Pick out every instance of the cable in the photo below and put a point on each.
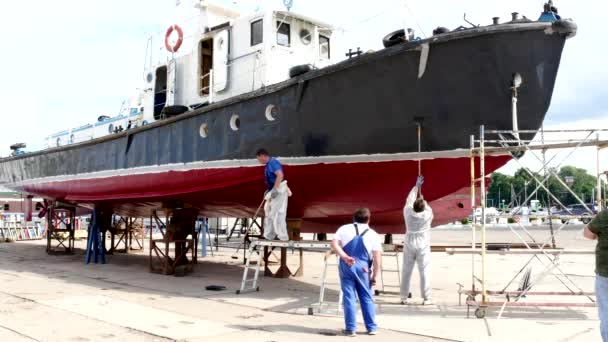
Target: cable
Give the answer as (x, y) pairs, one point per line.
(414, 16)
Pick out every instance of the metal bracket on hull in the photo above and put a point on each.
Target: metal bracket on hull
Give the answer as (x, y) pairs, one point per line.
(424, 58)
(300, 93)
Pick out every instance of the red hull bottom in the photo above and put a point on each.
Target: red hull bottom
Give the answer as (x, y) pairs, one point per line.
(324, 195)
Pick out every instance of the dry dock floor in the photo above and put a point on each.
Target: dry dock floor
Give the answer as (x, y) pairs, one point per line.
(59, 298)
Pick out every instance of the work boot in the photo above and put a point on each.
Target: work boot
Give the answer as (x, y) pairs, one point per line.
(349, 333)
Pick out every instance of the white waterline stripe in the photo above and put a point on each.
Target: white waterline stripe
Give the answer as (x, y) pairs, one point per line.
(236, 163)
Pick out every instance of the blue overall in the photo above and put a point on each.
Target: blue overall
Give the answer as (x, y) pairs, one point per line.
(355, 281)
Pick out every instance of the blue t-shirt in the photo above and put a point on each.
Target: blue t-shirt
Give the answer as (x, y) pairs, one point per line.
(272, 166)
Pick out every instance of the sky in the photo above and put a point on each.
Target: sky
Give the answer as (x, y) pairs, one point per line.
(66, 62)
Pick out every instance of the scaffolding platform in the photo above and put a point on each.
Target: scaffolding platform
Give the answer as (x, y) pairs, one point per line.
(545, 253)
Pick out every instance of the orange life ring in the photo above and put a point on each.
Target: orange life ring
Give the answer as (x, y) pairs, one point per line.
(180, 38)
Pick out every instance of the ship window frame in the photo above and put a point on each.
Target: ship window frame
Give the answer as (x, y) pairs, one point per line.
(235, 122)
(328, 40)
(203, 130)
(282, 26)
(305, 36)
(271, 112)
(257, 37)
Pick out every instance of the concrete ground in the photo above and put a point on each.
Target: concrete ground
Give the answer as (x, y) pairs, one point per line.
(59, 298)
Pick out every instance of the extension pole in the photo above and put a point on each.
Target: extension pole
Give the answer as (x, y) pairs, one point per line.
(419, 148)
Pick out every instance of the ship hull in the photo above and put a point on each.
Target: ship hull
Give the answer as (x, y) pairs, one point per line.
(324, 194)
(347, 134)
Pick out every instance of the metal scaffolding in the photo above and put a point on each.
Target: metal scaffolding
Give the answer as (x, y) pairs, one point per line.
(503, 142)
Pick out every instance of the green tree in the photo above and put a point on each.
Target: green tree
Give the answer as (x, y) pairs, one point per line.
(500, 188)
(523, 183)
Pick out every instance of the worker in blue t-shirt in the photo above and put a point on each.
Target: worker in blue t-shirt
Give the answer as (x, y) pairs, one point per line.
(277, 192)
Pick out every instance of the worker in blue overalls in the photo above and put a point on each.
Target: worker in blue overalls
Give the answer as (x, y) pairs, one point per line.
(358, 247)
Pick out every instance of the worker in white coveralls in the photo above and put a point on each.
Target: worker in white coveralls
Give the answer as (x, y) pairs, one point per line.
(360, 252)
(277, 192)
(417, 247)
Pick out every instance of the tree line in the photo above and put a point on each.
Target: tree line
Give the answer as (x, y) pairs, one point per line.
(505, 189)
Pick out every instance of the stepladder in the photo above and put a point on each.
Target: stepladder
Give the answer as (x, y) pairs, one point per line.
(331, 262)
(249, 282)
(389, 276)
(251, 276)
(330, 272)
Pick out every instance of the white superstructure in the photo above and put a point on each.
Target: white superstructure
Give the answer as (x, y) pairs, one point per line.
(231, 54)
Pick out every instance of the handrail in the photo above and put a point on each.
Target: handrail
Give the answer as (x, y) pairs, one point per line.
(210, 86)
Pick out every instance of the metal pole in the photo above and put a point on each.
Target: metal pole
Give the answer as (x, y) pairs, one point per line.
(599, 182)
(514, 113)
(544, 161)
(473, 220)
(203, 232)
(419, 148)
(482, 191)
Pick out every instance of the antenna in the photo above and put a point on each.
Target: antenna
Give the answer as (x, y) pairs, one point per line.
(288, 4)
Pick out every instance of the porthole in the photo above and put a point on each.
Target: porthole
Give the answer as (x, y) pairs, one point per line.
(204, 130)
(271, 112)
(235, 122)
(305, 36)
(58, 141)
(111, 128)
(145, 122)
(149, 77)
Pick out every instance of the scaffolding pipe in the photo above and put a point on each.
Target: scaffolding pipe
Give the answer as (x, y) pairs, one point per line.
(473, 217)
(514, 114)
(549, 131)
(599, 181)
(482, 191)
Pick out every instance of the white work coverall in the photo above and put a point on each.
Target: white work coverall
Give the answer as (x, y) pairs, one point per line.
(417, 246)
(275, 223)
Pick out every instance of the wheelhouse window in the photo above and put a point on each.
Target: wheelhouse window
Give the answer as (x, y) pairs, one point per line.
(257, 32)
(324, 47)
(283, 33)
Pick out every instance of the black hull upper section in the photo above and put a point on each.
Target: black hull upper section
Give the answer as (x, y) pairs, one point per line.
(366, 105)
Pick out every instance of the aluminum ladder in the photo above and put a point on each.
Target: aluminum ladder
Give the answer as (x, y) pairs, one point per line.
(251, 283)
(387, 255)
(330, 259)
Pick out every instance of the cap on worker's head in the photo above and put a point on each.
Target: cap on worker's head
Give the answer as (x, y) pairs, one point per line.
(362, 215)
(261, 152)
(419, 205)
